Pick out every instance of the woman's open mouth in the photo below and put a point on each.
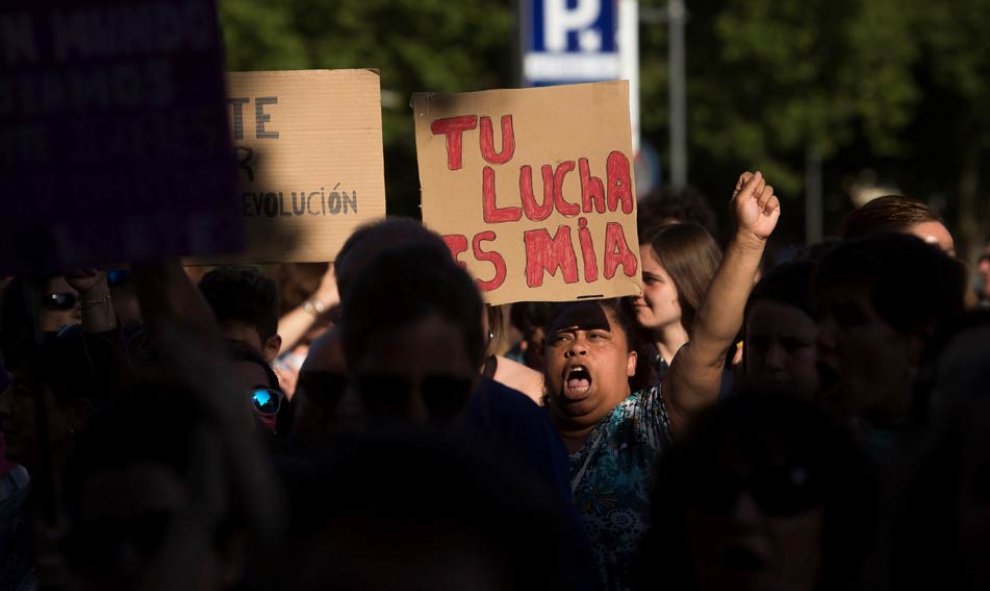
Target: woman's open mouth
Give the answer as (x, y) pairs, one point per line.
(577, 382)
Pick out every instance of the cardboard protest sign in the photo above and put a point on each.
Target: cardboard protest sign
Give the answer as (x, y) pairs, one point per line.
(113, 135)
(310, 159)
(533, 189)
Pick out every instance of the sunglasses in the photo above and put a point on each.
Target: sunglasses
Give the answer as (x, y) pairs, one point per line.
(267, 401)
(780, 491)
(59, 301)
(390, 395)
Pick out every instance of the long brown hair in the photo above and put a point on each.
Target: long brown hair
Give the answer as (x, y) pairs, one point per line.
(690, 256)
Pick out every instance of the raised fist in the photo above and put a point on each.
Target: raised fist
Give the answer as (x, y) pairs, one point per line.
(754, 206)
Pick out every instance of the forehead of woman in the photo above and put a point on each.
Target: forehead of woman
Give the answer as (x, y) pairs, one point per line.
(586, 316)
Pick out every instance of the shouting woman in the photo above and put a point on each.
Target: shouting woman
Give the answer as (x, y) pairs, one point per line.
(613, 433)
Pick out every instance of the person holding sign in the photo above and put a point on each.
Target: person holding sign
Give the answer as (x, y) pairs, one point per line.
(612, 433)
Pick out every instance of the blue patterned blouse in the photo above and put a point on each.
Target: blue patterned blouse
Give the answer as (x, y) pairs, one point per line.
(610, 477)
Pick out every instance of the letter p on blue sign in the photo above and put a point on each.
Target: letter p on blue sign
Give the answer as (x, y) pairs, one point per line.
(566, 41)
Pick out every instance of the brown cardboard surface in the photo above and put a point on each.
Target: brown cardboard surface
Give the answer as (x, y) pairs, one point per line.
(583, 247)
(311, 167)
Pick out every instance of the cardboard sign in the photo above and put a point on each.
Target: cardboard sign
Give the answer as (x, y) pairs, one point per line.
(113, 136)
(533, 189)
(309, 157)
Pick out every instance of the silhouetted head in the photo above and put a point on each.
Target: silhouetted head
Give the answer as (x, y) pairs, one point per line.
(765, 492)
(245, 303)
(409, 513)
(781, 333)
(412, 335)
(880, 301)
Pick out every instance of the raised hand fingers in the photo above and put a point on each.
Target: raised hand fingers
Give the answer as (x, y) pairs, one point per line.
(753, 185)
(769, 203)
(773, 205)
(764, 197)
(743, 179)
(758, 184)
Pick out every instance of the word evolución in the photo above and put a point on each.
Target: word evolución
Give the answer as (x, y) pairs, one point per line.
(300, 203)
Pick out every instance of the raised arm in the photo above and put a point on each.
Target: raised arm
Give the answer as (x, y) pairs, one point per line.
(169, 301)
(94, 296)
(695, 377)
(296, 323)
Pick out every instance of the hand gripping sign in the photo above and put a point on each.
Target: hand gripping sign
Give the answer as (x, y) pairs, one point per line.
(533, 189)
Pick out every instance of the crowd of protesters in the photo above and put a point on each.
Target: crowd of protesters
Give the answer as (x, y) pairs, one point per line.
(818, 424)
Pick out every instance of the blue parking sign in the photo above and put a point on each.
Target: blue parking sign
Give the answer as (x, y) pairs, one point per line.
(569, 41)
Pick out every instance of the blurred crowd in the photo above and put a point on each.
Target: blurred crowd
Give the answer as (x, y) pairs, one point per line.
(746, 423)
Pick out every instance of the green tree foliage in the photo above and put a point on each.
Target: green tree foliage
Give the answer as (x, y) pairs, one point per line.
(417, 45)
(955, 62)
(856, 79)
(767, 79)
(260, 35)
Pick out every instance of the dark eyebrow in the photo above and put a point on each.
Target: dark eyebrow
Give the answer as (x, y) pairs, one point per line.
(581, 328)
(648, 275)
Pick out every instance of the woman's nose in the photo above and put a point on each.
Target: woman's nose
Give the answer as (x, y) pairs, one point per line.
(578, 347)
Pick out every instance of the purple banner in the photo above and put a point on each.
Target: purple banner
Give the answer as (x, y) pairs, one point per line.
(114, 143)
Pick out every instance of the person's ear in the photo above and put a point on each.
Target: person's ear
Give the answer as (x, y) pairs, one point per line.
(631, 364)
(271, 348)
